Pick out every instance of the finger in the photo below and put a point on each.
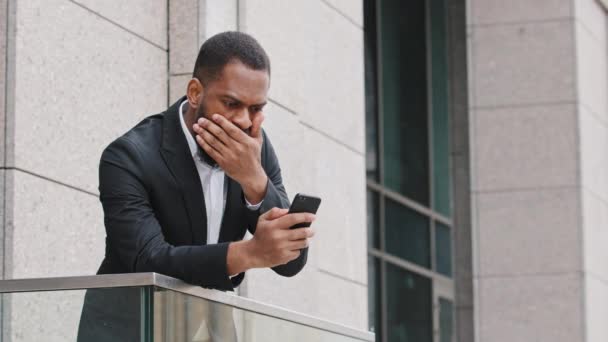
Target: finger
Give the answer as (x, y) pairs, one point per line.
(213, 153)
(211, 140)
(256, 128)
(292, 255)
(233, 131)
(289, 220)
(274, 213)
(299, 244)
(300, 233)
(214, 129)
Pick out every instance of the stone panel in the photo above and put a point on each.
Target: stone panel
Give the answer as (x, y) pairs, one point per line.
(595, 234)
(523, 64)
(81, 82)
(311, 292)
(144, 17)
(497, 11)
(596, 308)
(184, 35)
(592, 70)
(353, 9)
(58, 231)
(593, 153)
(317, 69)
(593, 17)
(529, 232)
(3, 50)
(525, 147)
(536, 308)
(217, 16)
(177, 87)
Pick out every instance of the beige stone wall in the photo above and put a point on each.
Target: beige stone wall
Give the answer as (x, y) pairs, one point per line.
(591, 34)
(539, 137)
(525, 171)
(80, 73)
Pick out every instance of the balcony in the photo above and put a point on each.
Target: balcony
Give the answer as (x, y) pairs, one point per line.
(150, 307)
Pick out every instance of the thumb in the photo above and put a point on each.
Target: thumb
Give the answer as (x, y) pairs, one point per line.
(256, 127)
(274, 214)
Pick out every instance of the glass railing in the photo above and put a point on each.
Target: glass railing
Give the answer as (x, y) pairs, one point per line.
(149, 307)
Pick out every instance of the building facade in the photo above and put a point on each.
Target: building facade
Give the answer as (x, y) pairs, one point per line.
(460, 148)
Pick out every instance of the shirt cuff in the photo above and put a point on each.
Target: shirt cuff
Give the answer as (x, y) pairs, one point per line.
(253, 207)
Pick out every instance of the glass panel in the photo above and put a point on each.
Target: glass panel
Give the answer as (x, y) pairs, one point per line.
(179, 317)
(373, 224)
(443, 249)
(409, 302)
(407, 234)
(446, 320)
(439, 84)
(404, 98)
(371, 104)
(374, 299)
(78, 315)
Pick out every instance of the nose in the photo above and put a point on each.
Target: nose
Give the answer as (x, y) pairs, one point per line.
(242, 119)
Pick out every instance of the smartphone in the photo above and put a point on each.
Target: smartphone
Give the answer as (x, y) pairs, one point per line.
(304, 204)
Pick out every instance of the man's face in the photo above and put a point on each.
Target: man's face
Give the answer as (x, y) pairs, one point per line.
(239, 95)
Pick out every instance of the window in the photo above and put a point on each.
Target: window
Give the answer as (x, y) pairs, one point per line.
(408, 171)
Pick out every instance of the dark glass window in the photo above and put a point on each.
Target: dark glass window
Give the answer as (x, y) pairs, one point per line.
(446, 320)
(409, 202)
(373, 288)
(373, 224)
(439, 103)
(443, 249)
(409, 306)
(404, 98)
(407, 234)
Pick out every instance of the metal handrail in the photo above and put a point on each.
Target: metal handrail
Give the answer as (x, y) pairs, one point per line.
(165, 282)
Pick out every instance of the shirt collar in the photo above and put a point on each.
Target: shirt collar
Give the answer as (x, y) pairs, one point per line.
(191, 143)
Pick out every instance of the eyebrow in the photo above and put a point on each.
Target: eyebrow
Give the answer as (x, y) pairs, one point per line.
(239, 101)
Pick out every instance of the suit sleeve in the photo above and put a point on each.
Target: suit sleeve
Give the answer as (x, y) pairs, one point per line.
(134, 234)
(276, 196)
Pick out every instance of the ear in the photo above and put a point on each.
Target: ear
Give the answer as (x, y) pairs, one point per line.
(194, 93)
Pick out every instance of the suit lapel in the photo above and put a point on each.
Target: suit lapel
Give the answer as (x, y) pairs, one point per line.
(175, 152)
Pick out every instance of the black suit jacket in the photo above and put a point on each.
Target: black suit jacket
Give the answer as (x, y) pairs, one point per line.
(154, 207)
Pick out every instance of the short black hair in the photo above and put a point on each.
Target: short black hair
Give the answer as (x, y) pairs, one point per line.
(227, 47)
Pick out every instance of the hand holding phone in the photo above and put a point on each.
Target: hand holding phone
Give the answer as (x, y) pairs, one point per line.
(304, 204)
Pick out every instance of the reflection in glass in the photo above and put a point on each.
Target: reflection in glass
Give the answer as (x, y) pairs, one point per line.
(446, 320)
(371, 103)
(409, 306)
(373, 224)
(439, 86)
(404, 98)
(407, 234)
(374, 299)
(443, 249)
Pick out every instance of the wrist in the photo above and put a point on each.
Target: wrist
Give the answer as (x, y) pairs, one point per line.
(255, 189)
(239, 258)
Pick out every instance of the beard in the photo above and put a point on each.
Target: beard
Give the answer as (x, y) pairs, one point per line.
(202, 113)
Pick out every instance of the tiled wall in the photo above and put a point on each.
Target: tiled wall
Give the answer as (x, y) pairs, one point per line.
(527, 236)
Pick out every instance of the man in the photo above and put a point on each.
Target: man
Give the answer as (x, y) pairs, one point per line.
(180, 189)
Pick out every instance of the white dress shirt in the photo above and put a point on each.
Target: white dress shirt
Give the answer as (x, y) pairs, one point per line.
(214, 186)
